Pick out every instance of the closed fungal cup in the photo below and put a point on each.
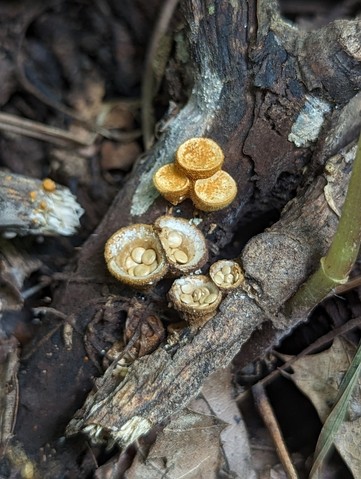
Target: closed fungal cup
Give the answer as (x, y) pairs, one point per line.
(172, 184)
(214, 193)
(199, 158)
(226, 274)
(184, 244)
(134, 255)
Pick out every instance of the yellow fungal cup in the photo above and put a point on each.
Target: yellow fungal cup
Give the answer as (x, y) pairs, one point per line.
(199, 158)
(171, 183)
(214, 193)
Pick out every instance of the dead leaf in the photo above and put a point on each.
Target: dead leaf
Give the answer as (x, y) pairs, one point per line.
(218, 394)
(188, 447)
(348, 445)
(15, 266)
(319, 377)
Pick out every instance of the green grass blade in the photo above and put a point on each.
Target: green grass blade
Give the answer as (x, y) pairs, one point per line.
(337, 415)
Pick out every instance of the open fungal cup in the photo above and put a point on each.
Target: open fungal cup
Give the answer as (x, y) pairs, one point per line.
(214, 193)
(184, 244)
(199, 158)
(226, 274)
(134, 255)
(171, 183)
(196, 297)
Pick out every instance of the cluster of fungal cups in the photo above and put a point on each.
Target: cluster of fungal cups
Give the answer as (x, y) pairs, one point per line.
(140, 255)
(196, 173)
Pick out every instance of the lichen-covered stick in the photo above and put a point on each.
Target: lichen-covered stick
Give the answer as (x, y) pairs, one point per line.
(30, 206)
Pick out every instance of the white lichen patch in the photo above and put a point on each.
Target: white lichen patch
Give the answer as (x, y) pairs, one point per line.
(132, 430)
(307, 126)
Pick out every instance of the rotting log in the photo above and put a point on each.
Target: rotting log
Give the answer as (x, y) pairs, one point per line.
(268, 94)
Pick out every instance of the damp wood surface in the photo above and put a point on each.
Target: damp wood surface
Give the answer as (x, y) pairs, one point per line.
(253, 84)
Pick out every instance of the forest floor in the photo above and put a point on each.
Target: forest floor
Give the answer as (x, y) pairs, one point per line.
(62, 61)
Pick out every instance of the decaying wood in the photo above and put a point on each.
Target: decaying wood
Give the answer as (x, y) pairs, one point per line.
(9, 392)
(31, 206)
(257, 86)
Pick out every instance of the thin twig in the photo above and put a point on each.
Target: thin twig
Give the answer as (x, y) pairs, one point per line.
(34, 129)
(352, 284)
(319, 343)
(266, 412)
(148, 78)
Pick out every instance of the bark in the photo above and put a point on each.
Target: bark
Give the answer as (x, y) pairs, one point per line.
(265, 92)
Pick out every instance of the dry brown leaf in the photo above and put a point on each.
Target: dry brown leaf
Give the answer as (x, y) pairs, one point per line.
(218, 398)
(204, 441)
(188, 447)
(319, 377)
(348, 445)
(15, 266)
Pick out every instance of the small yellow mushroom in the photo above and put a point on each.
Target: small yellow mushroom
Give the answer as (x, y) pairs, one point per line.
(171, 184)
(196, 173)
(33, 194)
(48, 185)
(214, 193)
(199, 158)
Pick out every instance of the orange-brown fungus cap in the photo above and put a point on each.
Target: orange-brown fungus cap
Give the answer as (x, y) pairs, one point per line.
(171, 184)
(214, 193)
(33, 195)
(199, 158)
(48, 185)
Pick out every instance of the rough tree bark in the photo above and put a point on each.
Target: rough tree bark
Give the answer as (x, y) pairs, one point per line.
(266, 92)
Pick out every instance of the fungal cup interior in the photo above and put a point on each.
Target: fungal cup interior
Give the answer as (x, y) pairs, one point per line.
(193, 242)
